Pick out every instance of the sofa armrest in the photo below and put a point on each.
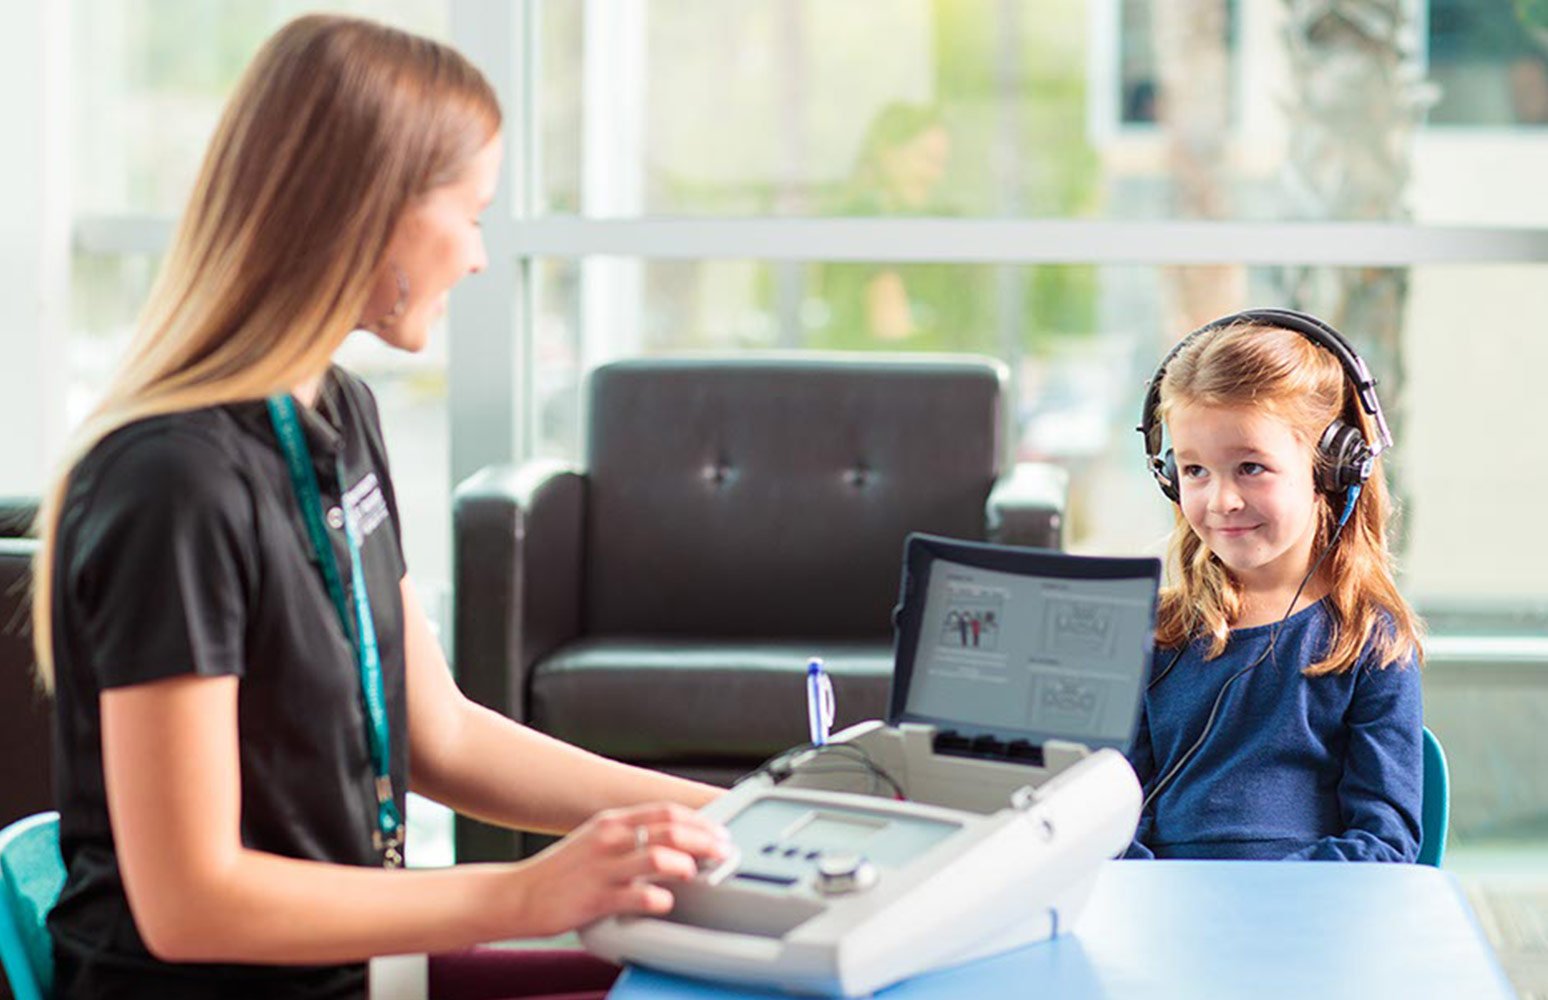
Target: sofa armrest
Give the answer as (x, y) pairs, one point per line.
(517, 576)
(1026, 506)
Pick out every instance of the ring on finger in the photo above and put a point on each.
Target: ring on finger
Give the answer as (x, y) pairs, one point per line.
(641, 838)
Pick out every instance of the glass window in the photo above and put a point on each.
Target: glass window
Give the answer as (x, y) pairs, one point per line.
(1021, 109)
(1204, 48)
(1489, 62)
(151, 78)
(1081, 341)
(107, 292)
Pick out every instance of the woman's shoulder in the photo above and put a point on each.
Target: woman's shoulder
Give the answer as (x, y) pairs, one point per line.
(181, 457)
(355, 401)
(351, 387)
(165, 443)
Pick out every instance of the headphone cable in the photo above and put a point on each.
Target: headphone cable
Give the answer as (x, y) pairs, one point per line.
(1349, 504)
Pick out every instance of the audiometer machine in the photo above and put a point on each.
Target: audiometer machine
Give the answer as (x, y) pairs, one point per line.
(971, 821)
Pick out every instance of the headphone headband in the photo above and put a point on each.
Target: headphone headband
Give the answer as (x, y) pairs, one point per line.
(1306, 325)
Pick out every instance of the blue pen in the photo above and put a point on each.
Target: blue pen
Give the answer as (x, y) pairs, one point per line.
(820, 704)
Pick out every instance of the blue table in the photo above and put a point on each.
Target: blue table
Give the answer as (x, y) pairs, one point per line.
(1234, 929)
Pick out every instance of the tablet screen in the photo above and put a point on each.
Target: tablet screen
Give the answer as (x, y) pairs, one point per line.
(1052, 646)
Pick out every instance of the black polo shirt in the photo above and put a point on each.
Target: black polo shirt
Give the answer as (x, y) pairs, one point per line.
(182, 550)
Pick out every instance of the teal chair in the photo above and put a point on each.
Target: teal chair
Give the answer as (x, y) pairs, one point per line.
(1436, 811)
(31, 875)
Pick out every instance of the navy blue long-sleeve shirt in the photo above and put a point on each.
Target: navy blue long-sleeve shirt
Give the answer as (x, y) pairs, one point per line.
(1294, 767)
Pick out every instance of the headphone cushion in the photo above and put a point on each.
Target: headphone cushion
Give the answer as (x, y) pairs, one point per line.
(1344, 458)
(1166, 477)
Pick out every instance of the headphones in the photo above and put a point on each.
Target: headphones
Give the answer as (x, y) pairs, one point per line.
(1344, 457)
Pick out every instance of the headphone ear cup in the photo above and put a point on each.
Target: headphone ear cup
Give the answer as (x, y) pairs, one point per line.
(1343, 459)
(1166, 476)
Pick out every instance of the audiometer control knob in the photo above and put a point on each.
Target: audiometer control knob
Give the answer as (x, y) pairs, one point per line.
(844, 872)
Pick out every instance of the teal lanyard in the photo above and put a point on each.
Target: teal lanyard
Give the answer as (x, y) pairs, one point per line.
(362, 631)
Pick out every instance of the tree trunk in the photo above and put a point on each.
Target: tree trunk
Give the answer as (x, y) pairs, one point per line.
(1355, 97)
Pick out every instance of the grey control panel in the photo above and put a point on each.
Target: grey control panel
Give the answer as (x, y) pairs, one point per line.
(786, 845)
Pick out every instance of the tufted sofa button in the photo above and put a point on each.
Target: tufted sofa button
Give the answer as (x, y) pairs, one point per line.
(858, 476)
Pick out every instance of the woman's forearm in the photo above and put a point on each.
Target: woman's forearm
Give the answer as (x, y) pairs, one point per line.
(332, 913)
(262, 908)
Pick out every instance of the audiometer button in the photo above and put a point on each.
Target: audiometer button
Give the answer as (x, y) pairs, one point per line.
(844, 872)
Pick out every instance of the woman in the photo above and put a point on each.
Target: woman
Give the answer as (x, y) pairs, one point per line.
(246, 685)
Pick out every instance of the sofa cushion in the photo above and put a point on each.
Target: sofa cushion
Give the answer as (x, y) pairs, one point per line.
(664, 701)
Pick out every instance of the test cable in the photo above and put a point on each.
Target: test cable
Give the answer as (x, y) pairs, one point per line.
(856, 761)
(1349, 504)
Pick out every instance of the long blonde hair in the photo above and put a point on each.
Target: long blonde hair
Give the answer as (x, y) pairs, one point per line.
(335, 128)
(1303, 384)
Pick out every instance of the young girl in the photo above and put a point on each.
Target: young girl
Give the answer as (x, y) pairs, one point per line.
(246, 686)
(1283, 717)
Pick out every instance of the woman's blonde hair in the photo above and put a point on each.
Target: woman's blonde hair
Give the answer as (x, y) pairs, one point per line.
(1303, 384)
(335, 128)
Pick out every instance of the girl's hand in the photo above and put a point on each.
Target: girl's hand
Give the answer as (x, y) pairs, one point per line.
(612, 863)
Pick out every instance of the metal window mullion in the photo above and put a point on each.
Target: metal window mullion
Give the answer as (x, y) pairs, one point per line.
(1031, 241)
(614, 94)
(953, 240)
(525, 142)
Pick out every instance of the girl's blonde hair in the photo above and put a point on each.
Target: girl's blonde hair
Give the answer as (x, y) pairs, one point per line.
(1303, 384)
(335, 128)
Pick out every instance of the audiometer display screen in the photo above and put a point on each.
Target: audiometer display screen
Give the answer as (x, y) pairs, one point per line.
(1031, 657)
(830, 830)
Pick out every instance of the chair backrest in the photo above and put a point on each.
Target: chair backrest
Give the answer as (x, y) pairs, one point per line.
(1436, 811)
(31, 875)
(770, 495)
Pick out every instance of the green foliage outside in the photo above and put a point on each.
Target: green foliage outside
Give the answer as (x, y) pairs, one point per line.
(1533, 13)
(1014, 111)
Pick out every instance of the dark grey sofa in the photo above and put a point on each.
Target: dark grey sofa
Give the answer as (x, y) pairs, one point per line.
(734, 517)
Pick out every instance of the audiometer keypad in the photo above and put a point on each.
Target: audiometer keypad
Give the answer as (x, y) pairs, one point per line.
(829, 849)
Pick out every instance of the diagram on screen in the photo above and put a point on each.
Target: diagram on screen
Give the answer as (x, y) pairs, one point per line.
(973, 623)
(1066, 703)
(1073, 627)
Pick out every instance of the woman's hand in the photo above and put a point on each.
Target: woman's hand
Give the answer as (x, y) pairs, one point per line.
(612, 864)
